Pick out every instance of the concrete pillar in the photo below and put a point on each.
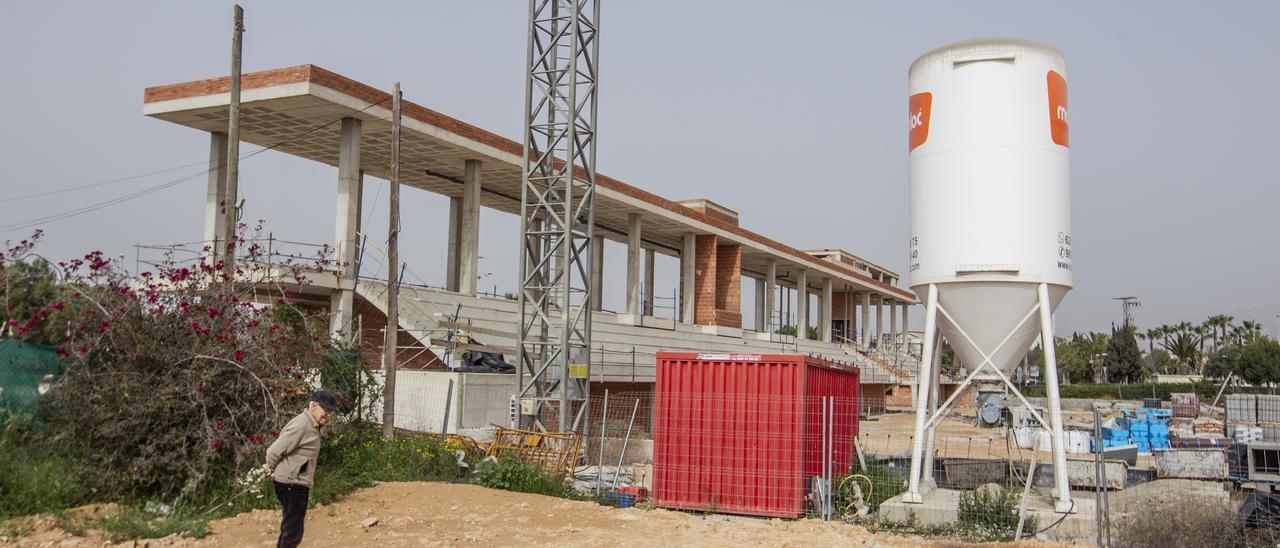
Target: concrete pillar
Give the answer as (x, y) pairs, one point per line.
(346, 228)
(648, 282)
(597, 272)
(906, 329)
(688, 258)
(866, 319)
(760, 312)
(770, 292)
(455, 233)
(893, 326)
(824, 328)
(469, 233)
(213, 219)
(633, 268)
(879, 320)
(802, 304)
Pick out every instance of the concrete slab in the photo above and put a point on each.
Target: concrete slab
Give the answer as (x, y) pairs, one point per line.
(1209, 463)
(941, 506)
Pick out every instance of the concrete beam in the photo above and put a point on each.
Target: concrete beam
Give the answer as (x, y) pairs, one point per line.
(213, 214)
(469, 235)
(346, 229)
(824, 327)
(597, 273)
(688, 287)
(802, 304)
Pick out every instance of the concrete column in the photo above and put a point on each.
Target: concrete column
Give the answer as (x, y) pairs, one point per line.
(824, 328)
(879, 319)
(633, 269)
(688, 260)
(469, 234)
(213, 219)
(455, 233)
(770, 292)
(346, 228)
(597, 272)
(760, 312)
(802, 304)
(906, 328)
(648, 282)
(893, 326)
(866, 319)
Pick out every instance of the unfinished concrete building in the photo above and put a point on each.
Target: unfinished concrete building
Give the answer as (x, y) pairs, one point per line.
(861, 311)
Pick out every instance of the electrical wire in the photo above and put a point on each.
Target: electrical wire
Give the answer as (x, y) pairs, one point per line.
(138, 176)
(31, 223)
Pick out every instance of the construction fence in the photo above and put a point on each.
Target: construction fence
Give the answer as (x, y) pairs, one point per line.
(807, 456)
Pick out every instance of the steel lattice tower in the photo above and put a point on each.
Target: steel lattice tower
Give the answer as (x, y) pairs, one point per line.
(557, 216)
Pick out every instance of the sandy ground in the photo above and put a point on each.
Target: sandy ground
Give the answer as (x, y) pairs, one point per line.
(958, 437)
(439, 514)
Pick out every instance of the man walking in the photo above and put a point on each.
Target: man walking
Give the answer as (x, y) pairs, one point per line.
(292, 460)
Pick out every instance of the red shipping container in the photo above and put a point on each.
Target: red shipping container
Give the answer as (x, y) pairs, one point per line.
(744, 433)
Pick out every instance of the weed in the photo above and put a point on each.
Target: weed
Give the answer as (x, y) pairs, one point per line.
(131, 523)
(36, 475)
(878, 483)
(515, 475)
(991, 513)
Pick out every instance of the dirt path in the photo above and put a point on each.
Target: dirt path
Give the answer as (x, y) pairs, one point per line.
(439, 514)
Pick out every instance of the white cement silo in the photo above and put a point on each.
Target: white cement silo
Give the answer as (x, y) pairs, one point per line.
(990, 243)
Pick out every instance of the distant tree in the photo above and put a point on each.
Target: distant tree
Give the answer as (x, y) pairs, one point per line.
(1160, 361)
(1073, 359)
(1185, 346)
(1123, 360)
(1223, 362)
(1259, 361)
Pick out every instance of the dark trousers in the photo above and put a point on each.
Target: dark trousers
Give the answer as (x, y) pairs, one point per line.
(293, 500)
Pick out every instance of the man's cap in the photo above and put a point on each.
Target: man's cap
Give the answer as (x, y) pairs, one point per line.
(325, 399)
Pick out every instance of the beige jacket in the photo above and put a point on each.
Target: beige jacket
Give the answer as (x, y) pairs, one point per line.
(292, 457)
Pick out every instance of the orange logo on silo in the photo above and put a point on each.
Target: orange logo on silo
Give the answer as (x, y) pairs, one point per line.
(1058, 109)
(919, 115)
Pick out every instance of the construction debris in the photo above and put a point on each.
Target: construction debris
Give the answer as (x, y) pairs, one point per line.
(555, 452)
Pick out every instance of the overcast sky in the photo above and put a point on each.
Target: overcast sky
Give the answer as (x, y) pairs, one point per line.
(789, 112)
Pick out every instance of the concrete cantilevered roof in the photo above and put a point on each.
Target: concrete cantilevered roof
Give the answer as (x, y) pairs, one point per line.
(286, 106)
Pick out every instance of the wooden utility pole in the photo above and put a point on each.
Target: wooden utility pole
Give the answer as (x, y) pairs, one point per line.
(230, 189)
(393, 269)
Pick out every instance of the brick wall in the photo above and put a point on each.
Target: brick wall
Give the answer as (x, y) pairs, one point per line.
(704, 280)
(729, 285)
(412, 356)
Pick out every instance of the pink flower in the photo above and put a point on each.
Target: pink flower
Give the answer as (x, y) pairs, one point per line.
(58, 305)
(213, 312)
(239, 355)
(217, 444)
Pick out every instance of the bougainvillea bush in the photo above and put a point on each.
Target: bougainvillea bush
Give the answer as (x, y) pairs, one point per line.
(174, 380)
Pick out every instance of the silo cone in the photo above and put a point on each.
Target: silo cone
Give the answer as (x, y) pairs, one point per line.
(990, 248)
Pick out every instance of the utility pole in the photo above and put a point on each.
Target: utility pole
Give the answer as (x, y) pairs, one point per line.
(230, 195)
(393, 269)
(1127, 304)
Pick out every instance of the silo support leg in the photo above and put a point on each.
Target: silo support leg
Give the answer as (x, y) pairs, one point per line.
(924, 386)
(1062, 492)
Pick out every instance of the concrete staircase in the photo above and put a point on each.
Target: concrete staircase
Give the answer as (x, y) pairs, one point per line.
(620, 352)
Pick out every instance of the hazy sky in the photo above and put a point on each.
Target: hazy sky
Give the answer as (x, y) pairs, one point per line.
(790, 112)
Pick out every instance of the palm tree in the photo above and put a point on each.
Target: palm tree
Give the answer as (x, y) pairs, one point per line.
(1185, 347)
(1252, 330)
(1151, 335)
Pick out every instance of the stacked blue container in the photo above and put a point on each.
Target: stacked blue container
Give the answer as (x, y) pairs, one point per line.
(1140, 429)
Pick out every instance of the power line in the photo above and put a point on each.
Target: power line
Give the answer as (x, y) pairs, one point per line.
(31, 223)
(138, 176)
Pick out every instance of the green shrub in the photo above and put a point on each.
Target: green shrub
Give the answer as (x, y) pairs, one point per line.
(991, 513)
(1206, 390)
(36, 475)
(515, 475)
(879, 483)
